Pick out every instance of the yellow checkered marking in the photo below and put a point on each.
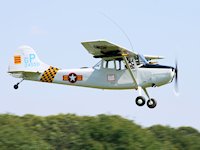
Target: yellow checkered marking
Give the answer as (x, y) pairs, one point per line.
(49, 74)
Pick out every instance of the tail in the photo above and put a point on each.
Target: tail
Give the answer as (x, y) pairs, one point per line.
(26, 60)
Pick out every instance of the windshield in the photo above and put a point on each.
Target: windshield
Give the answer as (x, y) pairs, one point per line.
(142, 59)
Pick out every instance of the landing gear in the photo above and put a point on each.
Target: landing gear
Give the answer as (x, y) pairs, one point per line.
(16, 86)
(151, 103)
(140, 100)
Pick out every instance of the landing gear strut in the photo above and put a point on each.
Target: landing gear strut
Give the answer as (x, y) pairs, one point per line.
(140, 100)
(16, 86)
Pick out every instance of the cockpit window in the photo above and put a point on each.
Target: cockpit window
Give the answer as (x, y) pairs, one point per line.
(98, 65)
(112, 64)
(119, 64)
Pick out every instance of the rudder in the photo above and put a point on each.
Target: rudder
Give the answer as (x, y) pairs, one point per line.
(26, 60)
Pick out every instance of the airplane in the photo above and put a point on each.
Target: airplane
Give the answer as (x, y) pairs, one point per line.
(118, 69)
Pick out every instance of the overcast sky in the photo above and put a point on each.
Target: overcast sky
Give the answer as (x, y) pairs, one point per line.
(56, 28)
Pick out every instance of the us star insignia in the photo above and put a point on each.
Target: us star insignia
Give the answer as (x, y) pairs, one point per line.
(72, 77)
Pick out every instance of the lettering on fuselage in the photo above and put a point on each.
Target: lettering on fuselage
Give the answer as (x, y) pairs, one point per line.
(31, 61)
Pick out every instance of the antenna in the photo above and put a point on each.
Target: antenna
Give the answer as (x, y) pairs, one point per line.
(119, 27)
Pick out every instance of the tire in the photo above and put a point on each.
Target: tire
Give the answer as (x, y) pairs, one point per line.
(140, 100)
(16, 87)
(151, 103)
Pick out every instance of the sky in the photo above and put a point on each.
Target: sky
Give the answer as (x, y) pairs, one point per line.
(55, 29)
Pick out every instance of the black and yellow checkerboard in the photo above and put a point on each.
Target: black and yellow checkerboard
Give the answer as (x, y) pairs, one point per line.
(49, 74)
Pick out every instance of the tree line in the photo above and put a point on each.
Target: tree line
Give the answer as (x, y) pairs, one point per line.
(102, 132)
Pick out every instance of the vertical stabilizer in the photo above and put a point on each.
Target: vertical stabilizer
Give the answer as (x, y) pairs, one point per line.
(26, 60)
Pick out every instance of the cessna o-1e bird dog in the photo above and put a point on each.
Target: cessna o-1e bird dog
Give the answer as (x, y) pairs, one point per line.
(118, 69)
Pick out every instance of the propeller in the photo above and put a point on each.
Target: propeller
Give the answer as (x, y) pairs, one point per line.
(176, 89)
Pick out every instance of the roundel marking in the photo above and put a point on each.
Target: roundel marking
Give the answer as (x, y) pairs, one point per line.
(72, 77)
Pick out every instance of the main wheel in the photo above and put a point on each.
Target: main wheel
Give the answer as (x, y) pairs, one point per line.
(16, 86)
(151, 103)
(140, 100)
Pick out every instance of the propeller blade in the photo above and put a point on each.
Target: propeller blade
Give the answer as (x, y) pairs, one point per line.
(176, 79)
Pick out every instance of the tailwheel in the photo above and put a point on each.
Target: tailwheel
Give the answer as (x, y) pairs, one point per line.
(140, 100)
(16, 86)
(151, 103)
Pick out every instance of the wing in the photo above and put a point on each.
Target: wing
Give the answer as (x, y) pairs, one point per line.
(106, 50)
(151, 57)
(109, 51)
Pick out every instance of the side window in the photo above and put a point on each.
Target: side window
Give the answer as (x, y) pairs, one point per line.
(104, 64)
(109, 64)
(119, 65)
(98, 65)
(114, 64)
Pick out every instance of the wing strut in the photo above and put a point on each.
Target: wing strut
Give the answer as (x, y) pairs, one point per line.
(129, 69)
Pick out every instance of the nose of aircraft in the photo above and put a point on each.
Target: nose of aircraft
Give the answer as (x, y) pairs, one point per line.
(172, 73)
